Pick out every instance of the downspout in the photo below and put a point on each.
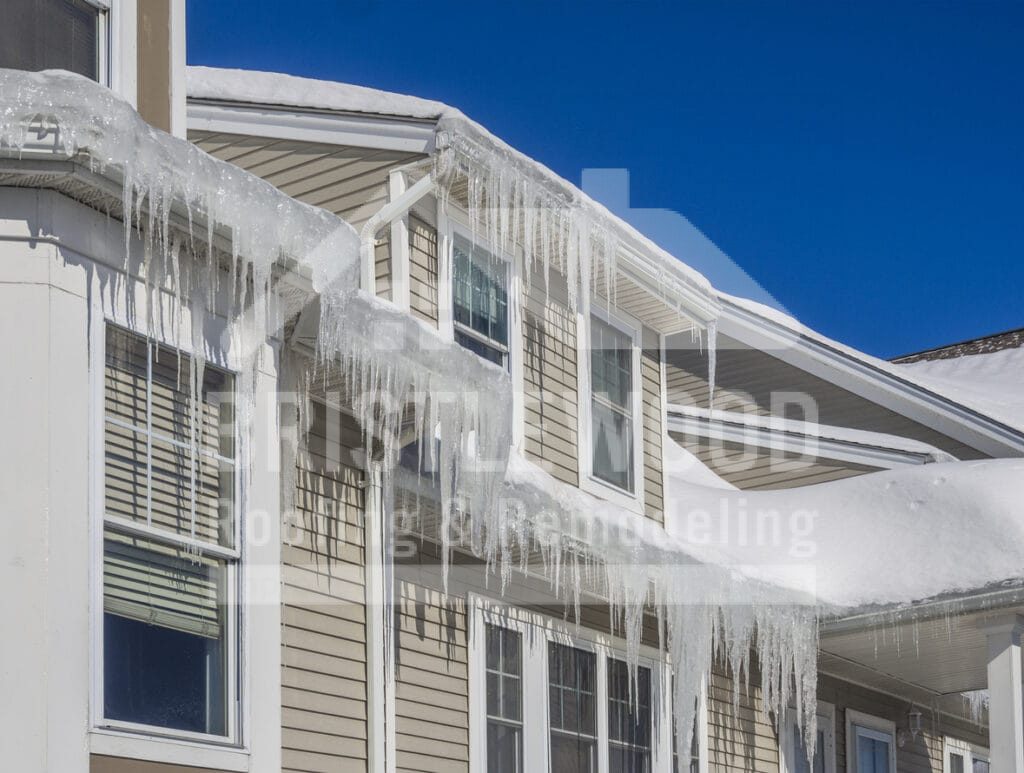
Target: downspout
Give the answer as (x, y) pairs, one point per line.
(380, 689)
(385, 216)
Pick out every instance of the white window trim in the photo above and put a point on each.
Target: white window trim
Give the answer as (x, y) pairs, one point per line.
(634, 500)
(163, 744)
(455, 225)
(825, 717)
(972, 753)
(873, 727)
(536, 631)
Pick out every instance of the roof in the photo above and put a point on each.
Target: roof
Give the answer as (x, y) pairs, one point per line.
(1010, 339)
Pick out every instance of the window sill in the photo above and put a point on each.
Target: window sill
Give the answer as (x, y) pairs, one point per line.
(606, 491)
(172, 751)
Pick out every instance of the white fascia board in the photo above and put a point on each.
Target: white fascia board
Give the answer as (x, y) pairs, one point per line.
(814, 441)
(409, 135)
(870, 382)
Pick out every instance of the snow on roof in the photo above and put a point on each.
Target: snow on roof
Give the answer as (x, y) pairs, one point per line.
(265, 88)
(272, 88)
(886, 538)
(992, 384)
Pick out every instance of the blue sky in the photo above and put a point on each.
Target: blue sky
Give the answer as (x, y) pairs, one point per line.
(863, 162)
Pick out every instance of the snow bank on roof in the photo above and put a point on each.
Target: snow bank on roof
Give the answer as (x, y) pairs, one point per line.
(687, 467)
(271, 88)
(992, 384)
(886, 538)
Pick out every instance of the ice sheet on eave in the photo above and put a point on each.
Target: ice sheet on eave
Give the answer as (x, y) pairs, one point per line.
(266, 88)
(985, 386)
(886, 538)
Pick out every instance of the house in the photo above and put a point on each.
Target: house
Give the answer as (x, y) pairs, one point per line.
(269, 342)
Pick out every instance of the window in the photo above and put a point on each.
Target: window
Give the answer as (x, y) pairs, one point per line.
(612, 409)
(545, 696)
(870, 746)
(504, 701)
(572, 702)
(963, 757)
(793, 751)
(52, 34)
(629, 719)
(169, 540)
(480, 302)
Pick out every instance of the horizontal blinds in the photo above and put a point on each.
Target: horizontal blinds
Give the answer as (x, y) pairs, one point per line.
(160, 585)
(161, 467)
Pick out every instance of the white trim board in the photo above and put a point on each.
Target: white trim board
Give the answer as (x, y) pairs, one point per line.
(810, 440)
(363, 131)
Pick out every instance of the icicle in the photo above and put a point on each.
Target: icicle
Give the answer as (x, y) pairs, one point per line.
(712, 329)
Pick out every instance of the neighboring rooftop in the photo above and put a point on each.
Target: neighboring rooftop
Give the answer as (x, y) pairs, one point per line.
(1010, 339)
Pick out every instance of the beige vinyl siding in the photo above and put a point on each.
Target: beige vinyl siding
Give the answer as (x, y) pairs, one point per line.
(920, 755)
(740, 738)
(323, 652)
(431, 668)
(153, 65)
(752, 468)
(550, 383)
(650, 373)
(423, 270)
(103, 764)
(350, 182)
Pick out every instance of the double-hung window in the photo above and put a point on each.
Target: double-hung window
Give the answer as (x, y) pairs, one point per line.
(53, 34)
(170, 542)
(963, 757)
(480, 291)
(504, 700)
(793, 750)
(870, 743)
(612, 405)
(548, 700)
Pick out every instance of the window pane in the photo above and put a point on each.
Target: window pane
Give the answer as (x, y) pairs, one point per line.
(956, 763)
(629, 719)
(872, 755)
(612, 438)
(572, 705)
(504, 748)
(800, 763)
(611, 363)
(480, 300)
(504, 700)
(980, 766)
(50, 34)
(165, 634)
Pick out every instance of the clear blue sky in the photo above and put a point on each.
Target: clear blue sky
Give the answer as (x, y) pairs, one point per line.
(864, 162)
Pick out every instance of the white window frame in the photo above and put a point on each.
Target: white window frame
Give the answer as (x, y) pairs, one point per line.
(453, 224)
(972, 753)
(116, 736)
(536, 630)
(825, 718)
(858, 723)
(632, 500)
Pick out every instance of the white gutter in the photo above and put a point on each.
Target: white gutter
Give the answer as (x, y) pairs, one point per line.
(385, 216)
(872, 449)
